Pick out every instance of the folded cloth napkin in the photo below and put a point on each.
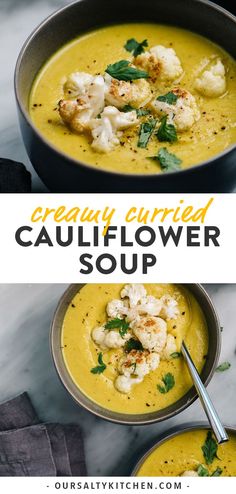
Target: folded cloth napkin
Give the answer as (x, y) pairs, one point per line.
(28, 448)
(14, 177)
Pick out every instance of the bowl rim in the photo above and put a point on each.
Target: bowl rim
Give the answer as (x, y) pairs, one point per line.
(174, 432)
(77, 394)
(83, 164)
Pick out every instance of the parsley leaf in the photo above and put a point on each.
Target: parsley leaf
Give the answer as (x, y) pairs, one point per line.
(166, 132)
(168, 161)
(176, 355)
(202, 471)
(133, 344)
(145, 132)
(134, 46)
(169, 382)
(209, 449)
(101, 367)
(123, 71)
(128, 108)
(223, 367)
(117, 323)
(169, 98)
(140, 111)
(217, 472)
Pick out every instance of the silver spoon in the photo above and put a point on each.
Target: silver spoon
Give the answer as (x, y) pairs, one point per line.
(212, 415)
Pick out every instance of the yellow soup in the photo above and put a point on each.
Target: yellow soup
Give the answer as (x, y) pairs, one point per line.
(211, 134)
(183, 453)
(88, 310)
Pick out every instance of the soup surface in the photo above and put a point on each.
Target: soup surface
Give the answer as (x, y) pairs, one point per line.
(88, 310)
(92, 53)
(183, 453)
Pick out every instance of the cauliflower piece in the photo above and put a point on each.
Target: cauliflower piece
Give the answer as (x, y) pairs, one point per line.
(170, 308)
(88, 104)
(150, 305)
(105, 129)
(120, 93)
(124, 384)
(212, 82)
(169, 348)
(134, 367)
(135, 292)
(189, 473)
(151, 332)
(77, 84)
(183, 114)
(109, 339)
(161, 63)
(117, 308)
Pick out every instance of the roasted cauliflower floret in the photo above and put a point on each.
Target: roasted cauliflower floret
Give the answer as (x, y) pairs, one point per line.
(106, 130)
(134, 292)
(109, 339)
(150, 305)
(89, 102)
(124, 384)
(77, 84)
(212, 81)
(170, 348)
(134, 367)
(170, 309)
(117, 308)
(151, 332)
(161, 63)
(120, 93)
(189, 473)
(183, 114)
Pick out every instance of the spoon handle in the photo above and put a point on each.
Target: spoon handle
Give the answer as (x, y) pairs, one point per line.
(207, 404)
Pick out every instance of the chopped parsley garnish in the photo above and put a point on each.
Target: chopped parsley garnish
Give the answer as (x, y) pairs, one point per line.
(203, 472)
(133, 344)
(209, 448)
(145, 132)
(168, 161)
(168, 381)
(217, 472)
(128, 108)
(117, 323)
(176, 355)
(141, 112)
(135, 47)
(169, 98)
(223, 367)
(101, 367)
(123, 71)
(166, 132)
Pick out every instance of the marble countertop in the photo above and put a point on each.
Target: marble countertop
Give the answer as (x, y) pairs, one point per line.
(26, 312)
(18, 19)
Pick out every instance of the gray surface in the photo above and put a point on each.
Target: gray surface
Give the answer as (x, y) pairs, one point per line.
(25, 364)
(18, 19)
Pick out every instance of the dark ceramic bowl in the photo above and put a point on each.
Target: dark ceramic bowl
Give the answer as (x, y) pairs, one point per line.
(63, 174)
(173, 433)
(146, 418)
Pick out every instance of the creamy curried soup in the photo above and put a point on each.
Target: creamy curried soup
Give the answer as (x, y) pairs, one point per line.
(137, 98)
(121, 344)
(194, 454)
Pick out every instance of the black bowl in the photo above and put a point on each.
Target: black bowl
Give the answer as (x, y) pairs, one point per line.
(214, 335)
(63, 174)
